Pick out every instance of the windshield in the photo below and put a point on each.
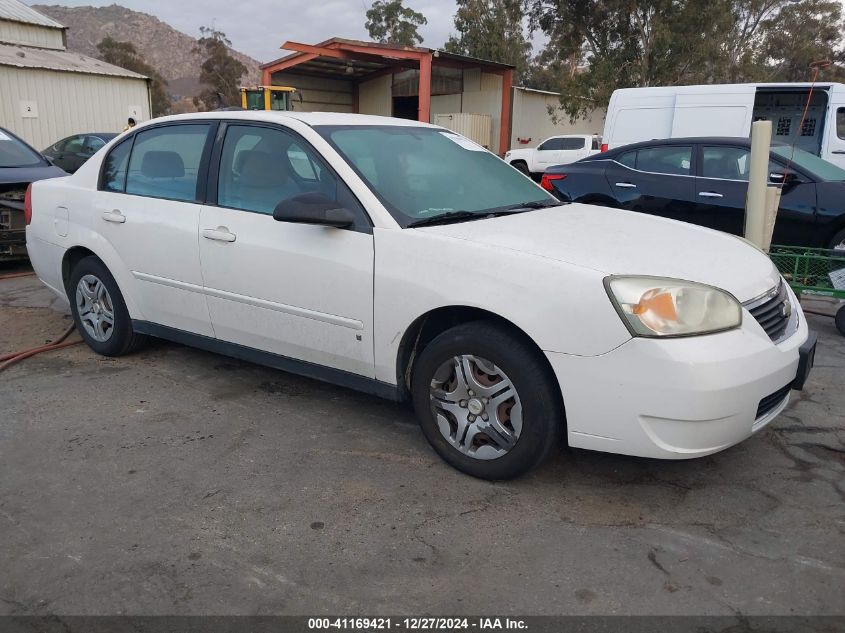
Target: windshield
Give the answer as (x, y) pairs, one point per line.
(14, 153)
(420, 173)
(810, 162)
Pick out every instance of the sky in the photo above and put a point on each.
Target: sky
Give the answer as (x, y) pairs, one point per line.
(258, 27)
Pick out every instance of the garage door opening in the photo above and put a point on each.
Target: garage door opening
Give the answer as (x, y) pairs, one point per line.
(406, 107)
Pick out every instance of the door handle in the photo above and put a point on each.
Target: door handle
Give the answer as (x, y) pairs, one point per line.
(220, 234)
(114, 216)
(710, 194)
(838, 151)
(626, 185)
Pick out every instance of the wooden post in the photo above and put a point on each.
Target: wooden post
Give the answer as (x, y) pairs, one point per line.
(425, 89)
(505, 118)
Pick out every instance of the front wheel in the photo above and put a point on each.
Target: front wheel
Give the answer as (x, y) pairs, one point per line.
(486, 402)
(521, 166)
(838, 241)
(99, 311)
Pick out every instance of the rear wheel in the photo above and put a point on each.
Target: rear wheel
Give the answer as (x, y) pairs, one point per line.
(485, 401)
(521, 166)
(99, 311)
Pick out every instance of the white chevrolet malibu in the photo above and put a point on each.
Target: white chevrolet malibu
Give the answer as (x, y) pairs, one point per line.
(403, 260)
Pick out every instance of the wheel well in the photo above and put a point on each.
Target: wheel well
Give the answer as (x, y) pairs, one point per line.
(836, 226)
(519, 160)
(425, 328)
(70, 259)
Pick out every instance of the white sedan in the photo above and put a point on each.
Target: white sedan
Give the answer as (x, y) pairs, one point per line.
(401, 259)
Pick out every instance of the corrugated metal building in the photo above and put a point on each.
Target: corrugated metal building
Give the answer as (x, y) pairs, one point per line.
(48, 92)
(532, 122)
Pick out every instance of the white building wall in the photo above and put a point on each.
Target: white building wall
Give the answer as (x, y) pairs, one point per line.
(531, 119)
(66, 103)
(317, 94)
(31, 35)
(483, 95)
(376, 96)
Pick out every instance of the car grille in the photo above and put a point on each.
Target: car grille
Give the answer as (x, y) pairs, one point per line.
(772, 313)
(772, 401)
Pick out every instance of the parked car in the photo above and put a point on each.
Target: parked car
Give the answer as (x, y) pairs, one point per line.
(557, 150)
(404, 260)
(704, 181)
(643, 114)
(19, 166)
(71, 153)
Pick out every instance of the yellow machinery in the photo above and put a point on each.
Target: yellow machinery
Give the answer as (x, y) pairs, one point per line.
(266, 98)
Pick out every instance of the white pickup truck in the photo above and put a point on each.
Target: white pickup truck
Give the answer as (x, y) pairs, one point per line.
(556, 150)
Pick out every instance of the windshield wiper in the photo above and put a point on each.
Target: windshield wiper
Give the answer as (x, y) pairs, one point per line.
(460, 216)
(535, 204)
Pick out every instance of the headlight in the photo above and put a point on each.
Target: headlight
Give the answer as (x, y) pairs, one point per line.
(657, 307)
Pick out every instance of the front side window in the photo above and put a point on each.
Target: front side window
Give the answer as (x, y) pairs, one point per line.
(665, 160)
(114, 167)
(93, 143)
(261, 166)
(165, 161)
(420, 173)
(629, 159)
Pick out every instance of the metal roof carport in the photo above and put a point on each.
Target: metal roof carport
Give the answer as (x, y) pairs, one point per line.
(358, 61)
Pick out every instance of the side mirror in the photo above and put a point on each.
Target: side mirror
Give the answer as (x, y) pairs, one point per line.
(313, 208)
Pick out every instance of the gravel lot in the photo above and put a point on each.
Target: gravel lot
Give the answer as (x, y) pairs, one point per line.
(176, 481)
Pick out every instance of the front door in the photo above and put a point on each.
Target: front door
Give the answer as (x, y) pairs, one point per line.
(147, 210)
(836, 145)
(722, 188)
(297, 290)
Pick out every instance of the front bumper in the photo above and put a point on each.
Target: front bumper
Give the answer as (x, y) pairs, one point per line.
(680, 398)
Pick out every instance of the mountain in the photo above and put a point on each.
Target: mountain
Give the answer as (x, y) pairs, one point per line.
(169, 51)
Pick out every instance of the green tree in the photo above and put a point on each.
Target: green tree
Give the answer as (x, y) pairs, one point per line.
(389, 22)
(596, 47)
(220, 72)
(492, 29)
(125, 55)
(802, 33)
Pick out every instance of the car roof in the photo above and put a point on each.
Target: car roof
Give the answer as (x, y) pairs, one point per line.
(309, 118)
(688, 140)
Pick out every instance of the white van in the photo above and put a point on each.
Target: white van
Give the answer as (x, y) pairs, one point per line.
(643, 114)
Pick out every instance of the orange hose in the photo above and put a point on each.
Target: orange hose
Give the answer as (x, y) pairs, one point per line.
(7, 360)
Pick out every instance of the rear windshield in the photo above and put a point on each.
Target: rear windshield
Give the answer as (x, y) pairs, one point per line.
(809, 162)
(14, 153)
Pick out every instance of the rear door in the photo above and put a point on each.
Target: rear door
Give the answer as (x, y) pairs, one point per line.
(147, 208)
(657, 180)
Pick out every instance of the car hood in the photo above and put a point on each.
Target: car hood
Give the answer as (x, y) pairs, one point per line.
(9, 175)
(618, 242)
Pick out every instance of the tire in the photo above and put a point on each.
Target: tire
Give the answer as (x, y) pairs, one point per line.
(531, 418)
(840, 320)
(99, 311)
(838, 240)
(521, 167)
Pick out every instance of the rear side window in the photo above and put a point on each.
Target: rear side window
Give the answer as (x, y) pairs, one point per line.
(114, 167)
(629, 159)
(729, 163)
(665, 160)
(165, 162)
(840, 123)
